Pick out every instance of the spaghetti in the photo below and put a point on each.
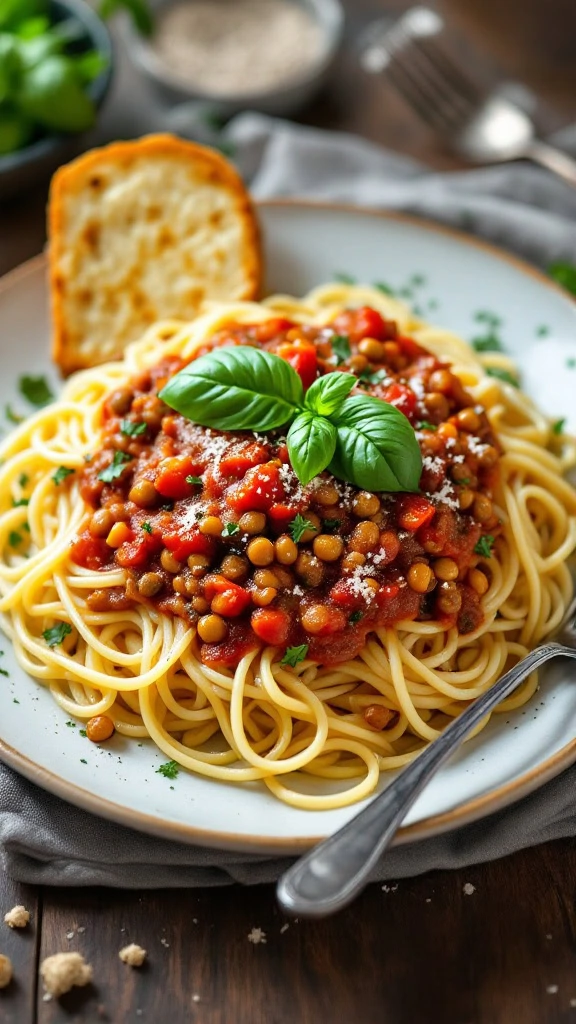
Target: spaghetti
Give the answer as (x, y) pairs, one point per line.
(356, 701)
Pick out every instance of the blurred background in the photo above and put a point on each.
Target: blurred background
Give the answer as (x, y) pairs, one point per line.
(74, 75)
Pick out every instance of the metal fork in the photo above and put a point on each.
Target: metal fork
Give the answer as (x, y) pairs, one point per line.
(481, 128)
(334, 872)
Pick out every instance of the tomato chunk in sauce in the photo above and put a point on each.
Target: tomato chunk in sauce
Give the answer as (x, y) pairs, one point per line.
(204, 522)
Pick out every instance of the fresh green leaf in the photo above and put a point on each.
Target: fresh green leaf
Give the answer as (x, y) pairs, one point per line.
(327, 393)
(488, 343)
(137, 9)
(35, 390)
(20, 502)
(558, 426)
(503, 375)
(384, 288)
(426, 425)
(52, 95)
(372, 377)
(14, 538)
(571, 362)
(230, 529)
(14, 12)
(239, 388)
(376, 448)
(294, 655)
(330, 524)
(131, 429)
(356, 616)
(82, 732)
(344, 278)
(55, 635)
(16, 131)
(61, 473)
(170, 770)
(299, 526)
(116, 467)
(484, 546)
(11, 416)
(23, 479)
(311, 443)
(195, 480)
(147, 527)
(88, 66)
(564, 274)
(542, 331)
(341, 347)
(33, 27)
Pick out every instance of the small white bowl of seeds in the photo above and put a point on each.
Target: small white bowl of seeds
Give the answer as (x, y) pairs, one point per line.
(266, 55)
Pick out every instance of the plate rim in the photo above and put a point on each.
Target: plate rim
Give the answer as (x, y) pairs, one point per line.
(465, 813)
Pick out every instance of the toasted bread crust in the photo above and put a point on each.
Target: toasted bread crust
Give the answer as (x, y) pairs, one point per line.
(195, 166)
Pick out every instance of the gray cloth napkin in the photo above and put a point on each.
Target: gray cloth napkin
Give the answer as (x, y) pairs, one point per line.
(43, 839)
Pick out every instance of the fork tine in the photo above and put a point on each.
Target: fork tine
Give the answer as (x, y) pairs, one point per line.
(422, 102)
(450, 72)
(441, 93)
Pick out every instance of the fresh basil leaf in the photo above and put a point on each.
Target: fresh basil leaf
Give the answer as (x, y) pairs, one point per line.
(55, 635)
(376, 448)
(327, 393)
(341, 347)
(115, 468)
(564, 274)
(311, 444)
(36, 390)
(500, 374)
(240, 388)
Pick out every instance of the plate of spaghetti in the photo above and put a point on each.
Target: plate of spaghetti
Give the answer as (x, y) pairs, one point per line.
(265, 558)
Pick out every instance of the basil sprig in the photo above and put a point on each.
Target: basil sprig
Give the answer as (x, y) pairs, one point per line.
(360, 439)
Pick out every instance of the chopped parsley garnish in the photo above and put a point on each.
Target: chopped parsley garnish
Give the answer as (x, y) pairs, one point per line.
(198, 516)
(356, 616)
(488, 343)
(23, 479)
(571, 362)
(61, 473)
(484, 546)
(426, 425)
(71, 725)
(294, 655)
(116, 467)
(193, 479)
(35, 390)
(147, 527)
(383, 287)
(55, 635)
(373, 377)
(169, 770)
(484, 316)
(564, 274)
(21, 502)
(558, 426)
(330, 524)
(132, 429)
(299, 526)
(464, 481)
(341, 347)
(14, 538)
(542, 331)
(82, 732)
(230, 529)
(503, 375)
(11, 416)
(344, 278)
(417, 280)
(83, 760)
(3, 672)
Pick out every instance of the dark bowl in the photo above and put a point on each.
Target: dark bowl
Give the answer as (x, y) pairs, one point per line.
(36, 162)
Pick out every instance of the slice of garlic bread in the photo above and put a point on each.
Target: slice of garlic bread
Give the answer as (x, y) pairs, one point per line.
(139, 231)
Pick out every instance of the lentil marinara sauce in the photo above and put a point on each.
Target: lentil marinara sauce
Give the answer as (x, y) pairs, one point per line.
(205, 525)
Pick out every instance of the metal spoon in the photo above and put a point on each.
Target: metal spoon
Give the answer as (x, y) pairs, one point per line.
(480, 128)
(334, 872)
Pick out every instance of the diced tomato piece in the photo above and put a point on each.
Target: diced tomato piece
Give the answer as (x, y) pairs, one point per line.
(170, 479)
(270, 329)
(241, 458)
(260, 488)
(282, 453)
(414, 511)
(363, 323)
(272, 625)
(303, 360)
(402, 397)
(281, 514)
(139, 552)
(342, 594)
(231, 599)
(410, 348)
(91, 552)
(386, 593)
(188, 541)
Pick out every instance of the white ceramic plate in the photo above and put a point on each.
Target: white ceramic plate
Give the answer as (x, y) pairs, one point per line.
(453, 277)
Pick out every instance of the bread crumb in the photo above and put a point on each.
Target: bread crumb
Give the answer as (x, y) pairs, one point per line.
(69, 935)
(468, 888)
(573, 1002)
(133, 955)
(5, 971)
(63, 971)
(284, 928)
(18, 917)
(195, 998)
(165, 943)
(390, 888)
(551, 989)
(256, 936)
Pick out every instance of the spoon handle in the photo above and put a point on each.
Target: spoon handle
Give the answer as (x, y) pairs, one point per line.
(554, 159)
(332, 873)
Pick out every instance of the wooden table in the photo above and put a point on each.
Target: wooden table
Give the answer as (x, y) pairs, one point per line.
(423, 951)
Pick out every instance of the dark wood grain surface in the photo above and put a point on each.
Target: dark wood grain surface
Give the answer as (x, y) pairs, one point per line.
(420, 951)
